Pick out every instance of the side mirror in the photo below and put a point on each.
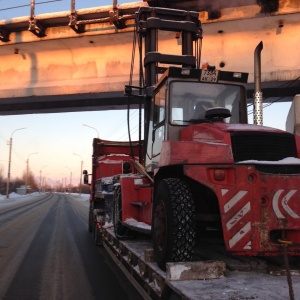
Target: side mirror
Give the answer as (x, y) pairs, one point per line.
(85, 179)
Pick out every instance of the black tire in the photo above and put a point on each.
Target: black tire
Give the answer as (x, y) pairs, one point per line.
(97, 236)
(173, 228)
(121, 232)
(91, 220)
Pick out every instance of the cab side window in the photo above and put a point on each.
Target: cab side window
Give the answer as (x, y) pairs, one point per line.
(159, 106)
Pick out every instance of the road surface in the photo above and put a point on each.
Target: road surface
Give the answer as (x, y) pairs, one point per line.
(47, 253)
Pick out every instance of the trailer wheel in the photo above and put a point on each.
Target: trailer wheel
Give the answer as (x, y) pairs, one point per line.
(97, 235)
(91, 220)
(121, 232)
(173, 229)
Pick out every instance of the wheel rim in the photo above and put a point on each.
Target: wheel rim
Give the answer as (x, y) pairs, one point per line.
(160, 226)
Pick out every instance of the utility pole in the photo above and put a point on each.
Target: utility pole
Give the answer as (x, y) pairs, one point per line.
(27, 171)
(9, 161)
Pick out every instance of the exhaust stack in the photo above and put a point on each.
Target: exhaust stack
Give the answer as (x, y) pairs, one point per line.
(257, 97)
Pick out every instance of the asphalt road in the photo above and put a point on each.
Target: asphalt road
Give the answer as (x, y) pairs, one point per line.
(46, 252)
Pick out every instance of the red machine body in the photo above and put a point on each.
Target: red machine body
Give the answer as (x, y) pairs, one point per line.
(206, 175)
(256, 209)
(109, 160)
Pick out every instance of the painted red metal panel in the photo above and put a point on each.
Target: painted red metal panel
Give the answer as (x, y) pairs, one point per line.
(109, 167)
(184, 152)
(215, 132)
(103, 147)
(297, 139)
(252, 205)
(135, 189)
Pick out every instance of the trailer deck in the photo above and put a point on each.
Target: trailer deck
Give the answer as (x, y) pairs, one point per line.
(250, 278)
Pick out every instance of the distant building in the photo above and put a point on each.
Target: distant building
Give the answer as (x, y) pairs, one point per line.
(22, 189)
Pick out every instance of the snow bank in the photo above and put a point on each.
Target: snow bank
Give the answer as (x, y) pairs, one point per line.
(16, 198)
(82, 197)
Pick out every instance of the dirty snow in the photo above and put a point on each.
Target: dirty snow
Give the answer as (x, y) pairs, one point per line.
(16, 198)
(135, 223)
(177, 270)
(285, 161)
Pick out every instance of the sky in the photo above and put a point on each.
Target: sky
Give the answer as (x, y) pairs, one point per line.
(50, 140)
(21, 8)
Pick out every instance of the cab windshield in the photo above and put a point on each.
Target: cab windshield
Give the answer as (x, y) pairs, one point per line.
(190, 100)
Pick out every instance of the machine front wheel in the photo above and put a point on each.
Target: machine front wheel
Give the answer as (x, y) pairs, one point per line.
(91, 219)
(173, 229)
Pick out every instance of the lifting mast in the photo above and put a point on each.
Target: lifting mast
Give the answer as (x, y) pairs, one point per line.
(149, 22)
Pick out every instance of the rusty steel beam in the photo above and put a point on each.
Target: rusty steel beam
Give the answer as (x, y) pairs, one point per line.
(34, 26)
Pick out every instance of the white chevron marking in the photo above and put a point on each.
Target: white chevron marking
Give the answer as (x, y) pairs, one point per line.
(237, 237)
(284, 203)
(234, 200)
(238, 216)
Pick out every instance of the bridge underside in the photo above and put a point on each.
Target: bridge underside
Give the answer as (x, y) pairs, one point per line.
(67, 103)
(272, 92)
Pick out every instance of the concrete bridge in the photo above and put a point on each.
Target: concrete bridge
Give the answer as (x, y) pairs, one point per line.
(79, 61)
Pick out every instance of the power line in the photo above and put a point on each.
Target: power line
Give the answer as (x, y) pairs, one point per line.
(120, 125)
(26, 5)
(133, 130)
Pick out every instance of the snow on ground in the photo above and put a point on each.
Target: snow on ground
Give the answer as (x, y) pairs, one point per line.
(83, 198)
(135, 223)
(16, 198)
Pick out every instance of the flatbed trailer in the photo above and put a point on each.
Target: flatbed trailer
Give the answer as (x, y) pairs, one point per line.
(242, 278)
(217, 198)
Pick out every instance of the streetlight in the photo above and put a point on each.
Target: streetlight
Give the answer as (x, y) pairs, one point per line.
(41, 178)
(70, 178)
(9, 161)
(27, 167)
(92, 128)
(80, 172)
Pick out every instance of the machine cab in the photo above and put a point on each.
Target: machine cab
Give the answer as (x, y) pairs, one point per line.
(182, 97)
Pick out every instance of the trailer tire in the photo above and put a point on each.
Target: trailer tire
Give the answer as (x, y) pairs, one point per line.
(97, 236)
(121, 231)
(173, 228)
(91, 219)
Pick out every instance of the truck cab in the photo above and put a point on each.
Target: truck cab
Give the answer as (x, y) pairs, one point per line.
(181, 98)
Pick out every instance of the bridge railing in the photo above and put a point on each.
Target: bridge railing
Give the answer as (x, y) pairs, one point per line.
(75, 19)
(9, 10)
